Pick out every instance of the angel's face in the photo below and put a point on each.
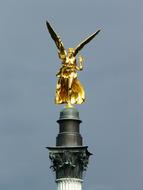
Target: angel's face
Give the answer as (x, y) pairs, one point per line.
(70, 52)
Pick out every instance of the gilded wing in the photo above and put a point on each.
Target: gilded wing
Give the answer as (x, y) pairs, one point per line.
(57, 40)
(83, 43)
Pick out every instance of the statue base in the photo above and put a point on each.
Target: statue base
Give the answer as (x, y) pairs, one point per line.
(69, 157)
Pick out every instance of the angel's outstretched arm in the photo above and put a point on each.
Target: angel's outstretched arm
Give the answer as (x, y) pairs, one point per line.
(80, 63)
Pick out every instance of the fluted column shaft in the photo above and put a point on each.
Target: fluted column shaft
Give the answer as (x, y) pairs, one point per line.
(69, 184)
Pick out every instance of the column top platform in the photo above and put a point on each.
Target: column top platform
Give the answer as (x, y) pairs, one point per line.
(69, 113)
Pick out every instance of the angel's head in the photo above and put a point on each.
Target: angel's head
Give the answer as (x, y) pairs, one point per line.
(71, 52)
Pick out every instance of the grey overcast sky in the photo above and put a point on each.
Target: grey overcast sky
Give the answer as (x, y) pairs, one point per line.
(113, 75)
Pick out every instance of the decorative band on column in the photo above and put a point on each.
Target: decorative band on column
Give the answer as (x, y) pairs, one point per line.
(69, 162)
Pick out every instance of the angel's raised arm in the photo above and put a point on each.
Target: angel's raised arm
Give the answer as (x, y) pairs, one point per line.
(57, 40)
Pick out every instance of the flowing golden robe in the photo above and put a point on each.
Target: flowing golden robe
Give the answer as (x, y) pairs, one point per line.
(69, 89)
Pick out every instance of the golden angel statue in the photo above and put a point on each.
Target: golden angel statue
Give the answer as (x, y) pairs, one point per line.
(69, 90)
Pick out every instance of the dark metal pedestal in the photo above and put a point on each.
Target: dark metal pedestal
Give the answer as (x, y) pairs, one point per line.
(69, 158)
